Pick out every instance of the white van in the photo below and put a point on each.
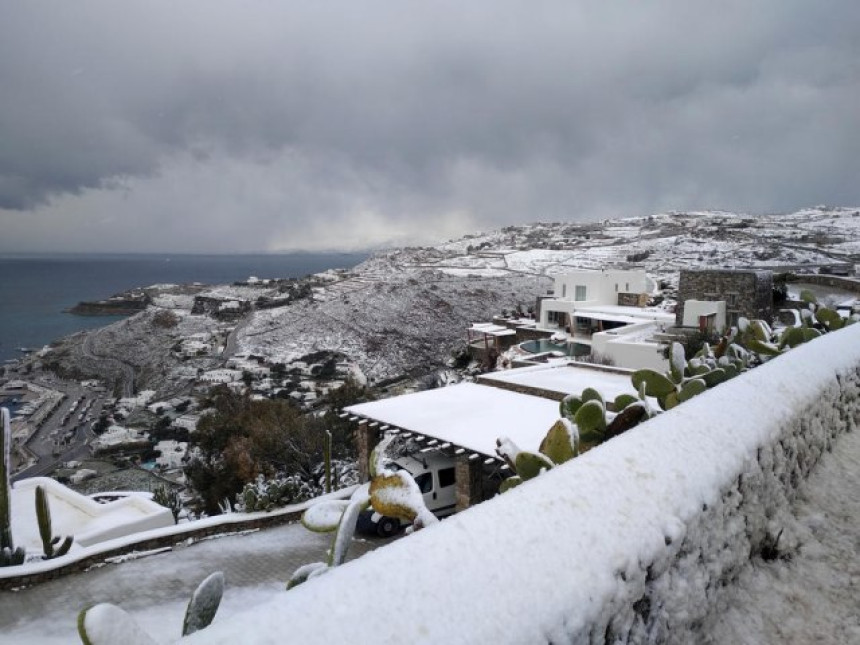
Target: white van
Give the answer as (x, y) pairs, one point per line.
(435, 475)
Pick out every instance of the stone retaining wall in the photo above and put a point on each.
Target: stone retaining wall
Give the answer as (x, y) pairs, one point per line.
(147, 544)
(633, 542)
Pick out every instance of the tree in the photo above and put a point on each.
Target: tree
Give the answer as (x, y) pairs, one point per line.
(246, 438)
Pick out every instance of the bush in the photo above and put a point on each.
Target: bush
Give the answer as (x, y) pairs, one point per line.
(169, 498)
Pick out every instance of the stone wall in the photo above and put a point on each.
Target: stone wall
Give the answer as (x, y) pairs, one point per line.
(849, 284)
(636, 541)
(747, 293)
(12, 580)
(632, 299)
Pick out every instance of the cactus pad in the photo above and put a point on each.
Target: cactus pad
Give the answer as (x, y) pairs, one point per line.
(530, 464)
(656, 384)
(559, 444)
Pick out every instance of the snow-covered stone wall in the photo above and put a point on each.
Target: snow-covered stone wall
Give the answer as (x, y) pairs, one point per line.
(632, 542)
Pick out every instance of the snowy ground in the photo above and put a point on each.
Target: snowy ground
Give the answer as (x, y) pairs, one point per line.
(815, 596)
(156, 589)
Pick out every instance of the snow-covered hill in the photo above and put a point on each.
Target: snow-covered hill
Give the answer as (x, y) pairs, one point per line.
(404, 311)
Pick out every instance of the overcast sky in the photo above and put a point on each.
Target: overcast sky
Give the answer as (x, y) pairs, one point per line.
(207, 126)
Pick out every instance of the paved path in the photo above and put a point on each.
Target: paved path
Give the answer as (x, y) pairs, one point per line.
(155, 589)
(815, 596)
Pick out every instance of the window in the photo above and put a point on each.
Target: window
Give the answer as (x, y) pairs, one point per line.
(563, 290)
(626, 287)
(447, 477)
(579, 293)
(425, 482)
(731, 299)
(616, 287)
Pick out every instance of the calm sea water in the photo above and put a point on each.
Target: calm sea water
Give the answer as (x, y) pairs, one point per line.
(34, 290)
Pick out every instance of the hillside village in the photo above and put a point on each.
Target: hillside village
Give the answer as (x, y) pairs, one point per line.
(508, 333)
(603, 293)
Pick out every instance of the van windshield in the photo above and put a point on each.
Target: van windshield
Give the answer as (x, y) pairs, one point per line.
(425, 482)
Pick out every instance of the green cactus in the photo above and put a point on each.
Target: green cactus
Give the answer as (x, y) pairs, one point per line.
(656, 384)
(590, 394)
(104, 624)
(559, 444)
(9, 555)
(831, 319)
(203, 604)
(691, 388)
(807, 296)
(762, 348)
(327, 460)
(591, 421)
(569, 405)
(49, 542)
(715, 376)
(531, 464)
(622, 401)
(509, 483)
(792, 337)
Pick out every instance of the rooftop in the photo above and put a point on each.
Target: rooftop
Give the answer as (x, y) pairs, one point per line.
(468, 415)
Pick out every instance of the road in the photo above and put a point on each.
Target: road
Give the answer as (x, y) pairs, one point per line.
(156, 589)
(56, 428)
(126, 369)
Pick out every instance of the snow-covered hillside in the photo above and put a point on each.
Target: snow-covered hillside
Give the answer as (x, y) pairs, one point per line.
(404, 310)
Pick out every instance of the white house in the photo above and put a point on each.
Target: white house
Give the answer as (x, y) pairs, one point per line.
(583, 289)
(606, 310)
(172, 453)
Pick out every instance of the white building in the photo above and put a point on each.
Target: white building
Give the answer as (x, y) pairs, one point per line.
(119, 436)
(221, 376)
(172, 453)
(584, 289)
(606, 311)
(187, 421)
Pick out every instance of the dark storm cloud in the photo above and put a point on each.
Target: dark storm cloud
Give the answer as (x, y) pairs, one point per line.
(261, 118)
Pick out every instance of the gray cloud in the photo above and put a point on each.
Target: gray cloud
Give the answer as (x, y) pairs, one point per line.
(249, 126)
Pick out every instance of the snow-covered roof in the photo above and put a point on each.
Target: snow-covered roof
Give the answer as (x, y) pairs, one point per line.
(78, 515)
(566, 378)
(598, 315)
(469, 415)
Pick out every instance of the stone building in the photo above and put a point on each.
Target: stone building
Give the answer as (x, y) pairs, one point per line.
(746, 292)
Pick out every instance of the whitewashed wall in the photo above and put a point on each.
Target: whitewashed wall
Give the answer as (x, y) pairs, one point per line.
(631, 542)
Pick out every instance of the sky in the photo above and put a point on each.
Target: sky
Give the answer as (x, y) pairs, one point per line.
(274, 125)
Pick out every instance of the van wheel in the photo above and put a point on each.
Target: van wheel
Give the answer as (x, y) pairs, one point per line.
(387, 527)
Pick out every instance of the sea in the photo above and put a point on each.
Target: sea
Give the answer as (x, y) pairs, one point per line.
(35, 290)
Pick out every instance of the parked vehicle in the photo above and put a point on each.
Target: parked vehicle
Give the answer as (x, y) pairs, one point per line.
(435, 475)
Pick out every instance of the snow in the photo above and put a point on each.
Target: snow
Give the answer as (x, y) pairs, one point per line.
(86, 520)
(106, 623)
(565, 378)
(468, 415)
(155, 590)
(811, 595)
(666, 514)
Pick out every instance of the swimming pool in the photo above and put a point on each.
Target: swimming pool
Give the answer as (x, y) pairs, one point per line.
(545, 345)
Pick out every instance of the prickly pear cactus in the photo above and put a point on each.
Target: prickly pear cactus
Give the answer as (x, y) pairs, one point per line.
(43, 517)
(591, 421)
(569, 405)
(107, 624)
(656, 384)
(561, 443)
(204, 604)
(9, 555)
